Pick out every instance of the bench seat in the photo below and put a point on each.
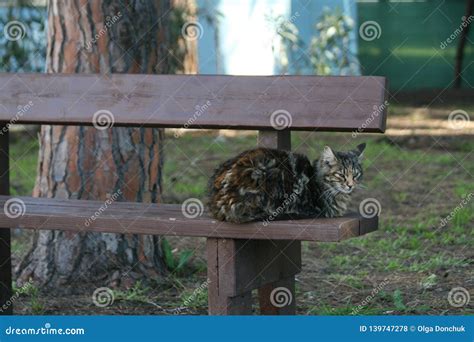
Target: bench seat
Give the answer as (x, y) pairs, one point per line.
(168, 219)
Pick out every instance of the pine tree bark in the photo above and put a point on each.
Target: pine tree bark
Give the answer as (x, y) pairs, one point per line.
(102, 36)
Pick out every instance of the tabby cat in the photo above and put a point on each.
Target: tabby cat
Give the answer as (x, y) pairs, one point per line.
(268, 184)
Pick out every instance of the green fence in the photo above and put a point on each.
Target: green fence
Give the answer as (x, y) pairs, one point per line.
(412, 48)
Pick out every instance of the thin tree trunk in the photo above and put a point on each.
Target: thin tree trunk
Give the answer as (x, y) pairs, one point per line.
(461, 45)
(103, 37)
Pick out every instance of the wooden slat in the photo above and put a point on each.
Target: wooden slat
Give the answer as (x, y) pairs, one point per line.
(158, 219)
(336, 103)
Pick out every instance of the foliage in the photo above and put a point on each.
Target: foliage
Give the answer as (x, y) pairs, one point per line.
(398, 300)
(290, 46)
(328, 52)
(26, 54)
(138, 293)
(175, 264)
(32, 291)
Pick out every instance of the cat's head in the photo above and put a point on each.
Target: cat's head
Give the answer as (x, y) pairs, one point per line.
(341, 171)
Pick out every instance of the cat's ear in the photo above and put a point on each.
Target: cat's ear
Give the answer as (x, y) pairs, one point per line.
(360, 150)
(328, 156)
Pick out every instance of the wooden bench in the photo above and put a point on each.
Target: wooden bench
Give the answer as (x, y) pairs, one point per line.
(241, 258)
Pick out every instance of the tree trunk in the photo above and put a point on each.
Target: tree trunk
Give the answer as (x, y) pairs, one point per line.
(103, 37)
(462, 44)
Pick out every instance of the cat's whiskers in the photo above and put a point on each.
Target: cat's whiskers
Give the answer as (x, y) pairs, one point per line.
(329, 192)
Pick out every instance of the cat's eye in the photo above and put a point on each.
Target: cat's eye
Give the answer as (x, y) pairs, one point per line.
(339, 175)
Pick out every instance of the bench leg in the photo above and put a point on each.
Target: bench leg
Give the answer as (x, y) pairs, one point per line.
(223, 305)
(6, 292)
(6, 307)
(237, 267)
(280, 293)
(221, 271)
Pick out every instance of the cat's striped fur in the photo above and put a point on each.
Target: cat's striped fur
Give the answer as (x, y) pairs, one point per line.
(267, 184)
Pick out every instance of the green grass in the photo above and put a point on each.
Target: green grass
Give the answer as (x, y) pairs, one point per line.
(409, 247)
(19, 247)
(462, 188)
(328, 310)
(23, 163)
(429, 282)
(31, 291)
(400, 196)
(349, 279)
(433, 263)
(138, 293)
(381, 303)
(194, 298)
(178, 263)
(187, 175)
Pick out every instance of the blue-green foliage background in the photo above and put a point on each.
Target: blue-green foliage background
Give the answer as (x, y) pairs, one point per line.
(408, 51)
(28, 53)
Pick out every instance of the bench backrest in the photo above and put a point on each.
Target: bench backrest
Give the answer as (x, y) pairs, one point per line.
(336, 103)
